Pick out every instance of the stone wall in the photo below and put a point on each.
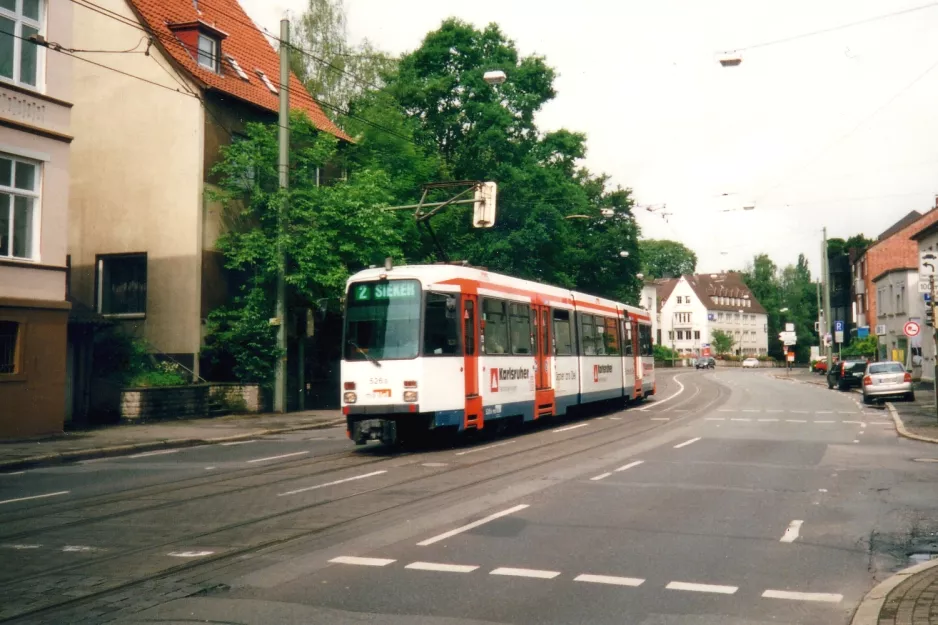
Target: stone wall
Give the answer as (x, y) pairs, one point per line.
(197, 400)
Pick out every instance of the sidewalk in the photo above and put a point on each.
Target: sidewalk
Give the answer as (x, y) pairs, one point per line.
(122, 439)
(910, 597)
(919, 417)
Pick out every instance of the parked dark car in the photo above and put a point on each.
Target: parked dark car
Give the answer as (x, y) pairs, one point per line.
(847, 374)
(705, 363)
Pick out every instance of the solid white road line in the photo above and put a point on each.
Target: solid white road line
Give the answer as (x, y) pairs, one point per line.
(525, 573)
(600, 477)
(803, 596)
(361, 561)
(238, 443)
(669, 397)
(686, 443)
(160, 452)
(61, 492)
(474, 524)
(443, 568)
(295, 453)
(723, 590)
(609, 579)
(342, 481)
(472, 451)
(791, 533)
(629, 466)
(570, 427)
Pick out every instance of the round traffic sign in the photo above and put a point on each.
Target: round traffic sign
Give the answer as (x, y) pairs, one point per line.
(911, 328)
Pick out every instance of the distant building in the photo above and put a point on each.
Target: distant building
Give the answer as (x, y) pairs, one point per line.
(924, 347)
(691, 307)
(649, 301)
(35, 155)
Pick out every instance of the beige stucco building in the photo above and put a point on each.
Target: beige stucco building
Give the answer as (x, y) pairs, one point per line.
(148, 131)
(35, 137)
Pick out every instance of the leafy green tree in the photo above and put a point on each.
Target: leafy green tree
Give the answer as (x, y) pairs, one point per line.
(662, 258)
(722, 341)
(798, 294)
(326, 232)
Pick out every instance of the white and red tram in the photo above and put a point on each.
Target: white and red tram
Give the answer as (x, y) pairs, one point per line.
(452, 346)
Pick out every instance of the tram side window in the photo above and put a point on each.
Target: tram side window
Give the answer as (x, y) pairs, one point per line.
(611, 336)
(494, 315)
(588, 335)
(627, 337)
(441, 326)
(644, 340)
(520, 324)
(563, 338)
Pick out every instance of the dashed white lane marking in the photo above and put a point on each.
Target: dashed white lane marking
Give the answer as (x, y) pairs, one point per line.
(433, 465)
(740, 419)
(750, 410)
(238, 443)
(159, 452)
(190, 554)
(686, 443)
(856, 422)
(361, 561)
(472, 451)
(792, 532)
(798, 411)
(769, 420)
(855, 441)
(333, 483)
(803, 596)
(295, 453)
(443, 568)
(680, 410)
(723, 590)
(600, 477)
(845, 412)
(539, 574)
(668, 398)
(715, 419)
(824, 412)
(822, 490)
(825, 421)
(609, 579)
(796, 421)
(474, 524)
(615, 418)
(61, 492)
(775, 411)
(78, 549)
(570, 427)
(14, 473)
(20, 546)
(726, 410)
(661, 418)
(629, 466)
(209, 468)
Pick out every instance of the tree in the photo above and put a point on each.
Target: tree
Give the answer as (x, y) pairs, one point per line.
(479, 131)
(762, 279)
(330, 68)
(666, 259)
(797, 293)
(326, 232)
(722, 341)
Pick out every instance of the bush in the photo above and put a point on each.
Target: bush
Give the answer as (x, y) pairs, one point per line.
(165, 374)
(125, 361)
(663, 352)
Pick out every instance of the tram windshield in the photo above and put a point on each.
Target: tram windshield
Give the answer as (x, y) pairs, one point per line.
(382, 320)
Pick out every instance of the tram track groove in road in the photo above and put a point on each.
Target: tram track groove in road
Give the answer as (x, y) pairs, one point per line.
(231, 555)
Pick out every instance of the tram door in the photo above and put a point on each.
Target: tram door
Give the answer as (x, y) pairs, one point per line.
(543, 352)
(470, 331)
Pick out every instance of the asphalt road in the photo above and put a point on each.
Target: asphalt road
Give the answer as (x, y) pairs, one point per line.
(733, 498)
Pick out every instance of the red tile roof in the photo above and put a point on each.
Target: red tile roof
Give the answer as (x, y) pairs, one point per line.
(245, 43)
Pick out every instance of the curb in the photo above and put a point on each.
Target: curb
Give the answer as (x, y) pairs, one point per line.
(868, 611)
(122, 450)
(900, 426)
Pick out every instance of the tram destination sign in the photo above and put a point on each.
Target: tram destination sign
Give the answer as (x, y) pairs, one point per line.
(379, 291)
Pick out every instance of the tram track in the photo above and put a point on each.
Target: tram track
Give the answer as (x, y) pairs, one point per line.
(583, 443)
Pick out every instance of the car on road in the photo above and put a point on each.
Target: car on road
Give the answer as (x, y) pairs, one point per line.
(820, 366)
(705, 363)
(846, 375)
(750, 363)
(882, 380)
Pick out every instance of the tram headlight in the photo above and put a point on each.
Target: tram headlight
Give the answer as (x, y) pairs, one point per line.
(410, 396)
(350, 398)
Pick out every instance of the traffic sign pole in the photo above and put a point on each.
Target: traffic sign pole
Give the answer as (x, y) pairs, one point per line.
(931, 305)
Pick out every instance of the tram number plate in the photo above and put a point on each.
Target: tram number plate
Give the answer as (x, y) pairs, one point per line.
(382, 392)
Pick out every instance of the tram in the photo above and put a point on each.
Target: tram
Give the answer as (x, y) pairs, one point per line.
(428, 347)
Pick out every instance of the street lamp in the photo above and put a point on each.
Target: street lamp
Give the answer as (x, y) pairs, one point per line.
(624, 254)
(494, 77)
(730, 59)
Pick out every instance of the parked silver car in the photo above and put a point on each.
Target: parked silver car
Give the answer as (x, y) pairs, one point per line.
(887, 379)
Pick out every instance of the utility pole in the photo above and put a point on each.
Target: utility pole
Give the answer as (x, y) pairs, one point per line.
(931, 304)
(820, 317)
(825, 277)
(283, 165)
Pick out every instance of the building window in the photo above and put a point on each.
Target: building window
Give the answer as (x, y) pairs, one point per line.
(19, 202)
(208, 52)
(670, 335)
(9, 347)
(19, 57)
(680, 335)
(687, 299)
(122, 285)
(236, 67)
(266, 81)
(697, 335)
(679, 299)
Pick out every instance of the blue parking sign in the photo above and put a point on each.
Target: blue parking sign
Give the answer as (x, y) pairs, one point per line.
(838, 326)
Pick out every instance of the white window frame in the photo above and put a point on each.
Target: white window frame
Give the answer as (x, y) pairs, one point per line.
(18, 42)
(36, 195)
(215, 50)
(233, 62)
(270, 86)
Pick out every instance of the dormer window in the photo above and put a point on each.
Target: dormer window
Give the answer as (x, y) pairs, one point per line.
(266, 81)
(208, 52)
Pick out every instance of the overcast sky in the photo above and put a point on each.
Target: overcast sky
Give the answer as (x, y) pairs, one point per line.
(835, 130)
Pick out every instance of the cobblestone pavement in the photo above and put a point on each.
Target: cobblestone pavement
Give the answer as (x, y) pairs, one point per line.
(913, 602)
